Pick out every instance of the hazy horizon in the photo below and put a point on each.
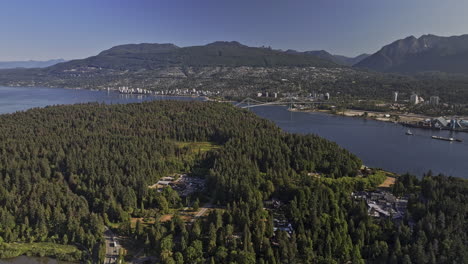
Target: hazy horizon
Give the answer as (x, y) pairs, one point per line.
(55, 29)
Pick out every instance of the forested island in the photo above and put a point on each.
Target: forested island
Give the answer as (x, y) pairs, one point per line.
(67, 173)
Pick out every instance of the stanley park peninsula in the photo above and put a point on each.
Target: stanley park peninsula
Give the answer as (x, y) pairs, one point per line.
(184, 165)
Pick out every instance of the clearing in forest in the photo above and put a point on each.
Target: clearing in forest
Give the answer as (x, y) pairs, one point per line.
(389, 181)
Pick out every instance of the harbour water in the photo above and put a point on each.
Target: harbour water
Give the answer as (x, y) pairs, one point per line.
(378, 144)
(14, 99)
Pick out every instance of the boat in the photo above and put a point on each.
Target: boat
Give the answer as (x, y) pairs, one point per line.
(409, 133)
(443, 138)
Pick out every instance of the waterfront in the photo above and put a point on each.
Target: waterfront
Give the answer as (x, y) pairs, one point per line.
(14, 99)
(378, 144)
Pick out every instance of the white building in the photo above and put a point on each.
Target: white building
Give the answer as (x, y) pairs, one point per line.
(414, 99)
(327, 96)
(434, 100)
(395, 96)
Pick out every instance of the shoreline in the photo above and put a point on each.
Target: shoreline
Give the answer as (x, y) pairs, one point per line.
(110, 90)
(406, 120)
(371, 115)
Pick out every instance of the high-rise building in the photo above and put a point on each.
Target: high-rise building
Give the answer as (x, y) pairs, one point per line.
(414, 99)
(327, 96)
(434, 100)
(395, 96)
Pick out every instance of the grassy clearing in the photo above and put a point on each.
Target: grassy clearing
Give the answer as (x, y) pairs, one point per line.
(144, 221)
(188, 215)
(368, 182)
(389, 181)
(41, 249)
(377, 178)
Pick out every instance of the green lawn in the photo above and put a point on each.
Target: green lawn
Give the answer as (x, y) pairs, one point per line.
(41, 249)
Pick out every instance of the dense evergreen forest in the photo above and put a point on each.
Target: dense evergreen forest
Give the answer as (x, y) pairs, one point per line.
(66, 172)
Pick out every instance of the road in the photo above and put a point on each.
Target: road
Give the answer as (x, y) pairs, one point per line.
(202, 210)
(112, 247)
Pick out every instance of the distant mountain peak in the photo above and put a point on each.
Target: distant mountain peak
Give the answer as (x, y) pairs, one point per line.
(429, 36)
(226, 43)
(140, 48)
(291, 51)
(338, 59)
(146, 56)
(426, 53)
(29, 64)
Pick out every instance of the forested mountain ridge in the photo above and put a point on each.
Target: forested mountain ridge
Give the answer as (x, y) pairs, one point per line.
(429, 53)
(338, 59)
(168, 67)
(146, 56)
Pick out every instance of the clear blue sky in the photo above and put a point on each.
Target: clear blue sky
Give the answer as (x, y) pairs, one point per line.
(46, 29)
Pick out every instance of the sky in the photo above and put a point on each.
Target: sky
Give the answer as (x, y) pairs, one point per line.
(72, 29)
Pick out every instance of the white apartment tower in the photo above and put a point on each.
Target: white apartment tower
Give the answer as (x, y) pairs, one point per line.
(434, 100)
(414, 99)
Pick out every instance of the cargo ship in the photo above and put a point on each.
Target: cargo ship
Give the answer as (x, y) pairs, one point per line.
(443, 138)
(447, 139)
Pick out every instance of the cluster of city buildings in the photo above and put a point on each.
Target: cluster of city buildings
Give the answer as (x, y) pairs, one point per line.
(444, 123)
(383, 204)
(416, 99)
(320, 96)
(267, 94)
(187, 92)
(310, 96)
(174, 92)
(128, 90)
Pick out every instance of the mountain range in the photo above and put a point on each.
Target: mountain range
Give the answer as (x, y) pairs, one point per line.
(410, 55)
(236, 70)
(221, 53)
(429, 53)
(338, 59)
(120, 64)
(28, 64)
